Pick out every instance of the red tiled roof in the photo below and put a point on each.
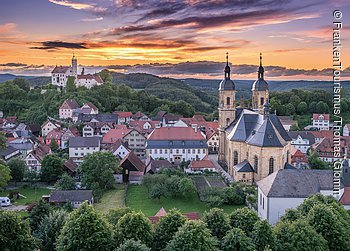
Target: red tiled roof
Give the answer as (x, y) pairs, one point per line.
(69, 103)
(113, 135)
(91, 76)
(175, 133)
(322, 134)
(316, 116)
(345, 198)
(198, 164)
(91, 105)
(54, 134)
(60, 69)
(124, 114)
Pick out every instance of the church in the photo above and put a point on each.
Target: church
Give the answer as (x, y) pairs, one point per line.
(253, 142)
(60, 75)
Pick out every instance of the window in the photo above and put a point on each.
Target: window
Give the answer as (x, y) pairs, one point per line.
(287, 156)
(235, 158)
(256, 163)
(261, 101)
(271, 165)
(228, 101)
(263, 202)
(243, 176)
(227, 121)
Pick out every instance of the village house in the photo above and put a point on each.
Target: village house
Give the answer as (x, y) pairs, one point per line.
(88, 80)
(79, 147)
(166, 119)
(54, 135)
(144, 126)
(120, 149)
(99, 129)
(8, 153)
(155, 165)
(287, 122)
(123, 117)
(200, 166)
(48, 126)
(320, 121)
(68, 133)
(102, 118)
(140, 116)
(325, 148)
(23, 145)
(133, 168)
(34, 158)
(302, 140)
(298, 158)
(70, 167)
(67, 108)
(74, 197)
(87, 108)
(176, 144)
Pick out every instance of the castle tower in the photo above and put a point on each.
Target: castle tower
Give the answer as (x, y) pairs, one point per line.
(227, 93)
(74, 66)
(260, 91)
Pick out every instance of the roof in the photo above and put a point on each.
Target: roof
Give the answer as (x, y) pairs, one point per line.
(113, 135)
(70, 165)
(259, 130)
(60, 69)
(118, 144)
(95, 77)
(124, 114)
(316, 116)
(71, 103)
(138, 115)
(84, 142)
(227, 85)
(62, 196)
(162, 213)
(134, 160)
(345, 198)
(260, 85)
(55, 134)
(7, 151)
(91, 105)
(175, 133)
(21, 144)
(304, 135)
(244, 167)
(296, 183)
(104, 117)
(198, 164)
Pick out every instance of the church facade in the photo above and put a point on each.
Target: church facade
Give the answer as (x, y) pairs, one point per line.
(253, 142)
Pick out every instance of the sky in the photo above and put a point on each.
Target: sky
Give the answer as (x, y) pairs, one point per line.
(175, 38)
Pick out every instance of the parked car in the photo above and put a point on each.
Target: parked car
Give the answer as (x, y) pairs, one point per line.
(5, 202)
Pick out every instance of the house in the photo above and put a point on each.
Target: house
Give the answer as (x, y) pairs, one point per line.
(120, 149)
(320, 121)
(60, 74)
(79, 147)
(88, 80)
(302, 140)
(133, 168)
(48, 126)
(166, 119)
(55, 134)
(285, 189)
(176, 144)
(140, 117)
(212, 137)
(123, 117)
(325, 148)
(201, 166)
(89, 108)
(10, 122)
(8, 153)
(320, 135)
(92, 129)
(346, 130)
(298, 158)
(161, 213)
(70, 167)
(67, 108)
(154, 165)
(102, 118)
(34, 158)
(73, 197)
(144, 126)
(23, 145)
(287, 122)
(69, 132)
(34, 129)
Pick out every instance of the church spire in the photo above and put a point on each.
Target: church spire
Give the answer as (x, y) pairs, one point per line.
(261, 69)
(227, 68)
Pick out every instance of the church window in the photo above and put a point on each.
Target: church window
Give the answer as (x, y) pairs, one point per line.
(261, 101)
(228, 101)
(256, 163)
(227, 121)
(287, 156)
(235, 158)
(271, 165)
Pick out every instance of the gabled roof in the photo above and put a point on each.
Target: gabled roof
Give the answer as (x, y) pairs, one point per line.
(70, 165)
(118, 144)
(175, 133)
(7, 151)
(123, 114)
(84, 142)
(304, 135)
(55, 134)
(71, 103)
(91, 105)
(198, 164)
(296, 183)
(95, 77)
(113, 135)
(244, 167)
(60, 69)
(104, 117)
(62, 196)
(134, 160)
(316, 116)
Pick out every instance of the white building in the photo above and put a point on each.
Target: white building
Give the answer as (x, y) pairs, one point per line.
(302, 140)
(320, 121)
(67, 108)
(288, 188)
(88, 80)
(79, 147)
(48, 126)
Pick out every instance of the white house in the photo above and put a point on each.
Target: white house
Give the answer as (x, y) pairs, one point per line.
(120, 150)
(67, 108)
(88, 80)
(320, 121)
(302, 140)
(79, 147)
(34, 158)
(48, 126)
(288, 188)
(200, 166)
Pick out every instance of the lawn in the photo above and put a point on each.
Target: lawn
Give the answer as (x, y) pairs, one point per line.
(31, 194)
(111, 199)
(137, 198)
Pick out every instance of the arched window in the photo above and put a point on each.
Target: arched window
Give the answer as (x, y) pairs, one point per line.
(228, 101)
(227, 121)
(271, 165)
(287, 157)
(235, 158)
(256, 163)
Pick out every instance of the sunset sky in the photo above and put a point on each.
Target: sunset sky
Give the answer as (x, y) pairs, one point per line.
(173, 38)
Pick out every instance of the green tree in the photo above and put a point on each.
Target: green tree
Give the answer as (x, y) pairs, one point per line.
(85, 229)
(262, 236)
(186, 187)
(244, 218)
(31, 176)
(17, 167)
(3, 141)
(22, 83)
(302, 108)
(97, 171)
(106, 76)
(294, 127)
(290, 109)
(183, 108)
(54, 146)
(166, 228)
(291, 215)
(132, 245)
(193, 235)
(51, 168)
(294, 100)
(5, 175)
(66, 182)
(316, 163)
(115, 214)
(237, 240)
(322, 107)
(71, 87)
(49, 229)
(134, 225)
(15, 232)
(217, 222)
(157, 191)
(312, 106)
(39, 211)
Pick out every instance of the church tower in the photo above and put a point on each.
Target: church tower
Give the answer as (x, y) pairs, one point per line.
(74, 66)
(260, 91)
(227, 93)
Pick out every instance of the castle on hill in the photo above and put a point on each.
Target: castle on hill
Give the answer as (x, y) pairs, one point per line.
(60, 74)
(253, 142)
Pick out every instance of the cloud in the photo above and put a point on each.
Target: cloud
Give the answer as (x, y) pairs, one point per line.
(7, 27)
(92, 19)
(13, 64)
(73, 5)
(54, 45)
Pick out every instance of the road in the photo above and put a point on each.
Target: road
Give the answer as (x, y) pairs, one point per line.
(14, 208)
(214, 158)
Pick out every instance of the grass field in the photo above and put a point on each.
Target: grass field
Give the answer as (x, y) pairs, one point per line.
(137, 198)
(31, 194)
(111, 199)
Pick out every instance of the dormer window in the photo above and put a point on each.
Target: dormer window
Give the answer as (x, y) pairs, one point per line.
(171, 142)
(270, 136)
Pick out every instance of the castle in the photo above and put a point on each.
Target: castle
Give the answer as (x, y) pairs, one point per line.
(253, 142)
(60, 75)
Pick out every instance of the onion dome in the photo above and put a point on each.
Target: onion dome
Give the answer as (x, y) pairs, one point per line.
(227, 84)
(260, 84)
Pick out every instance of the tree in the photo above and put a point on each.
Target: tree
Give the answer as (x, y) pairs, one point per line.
(291, 215)
(262, 236)
(5, 175)
(39, 211)
(49, 229)
(166, 228)
(294, 127)
(22, 83)
(244, 218)
(31, 176)
(51, 168)
(298, 236)
(15, 232)
(17, 167)
(71, 87)
(316, 163)
(237, 240)
(322, 107)
(3, 141)
(290, 109)
(115, 214)
(132, 245)
(217, 222)
(193, 235)
(157, 191)
(97, 171)
(134, 225)
(186, 187)
(106, 76)
(294, 100)
(54, 145)
(312, 106)
(302, 107)
(66, 182)
(85, 229)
